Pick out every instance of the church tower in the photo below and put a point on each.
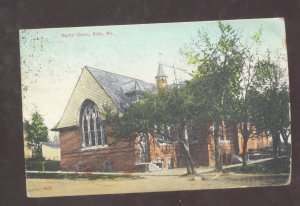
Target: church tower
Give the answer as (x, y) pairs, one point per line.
(161, 78)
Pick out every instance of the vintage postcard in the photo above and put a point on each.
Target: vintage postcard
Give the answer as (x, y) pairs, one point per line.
(155, 107)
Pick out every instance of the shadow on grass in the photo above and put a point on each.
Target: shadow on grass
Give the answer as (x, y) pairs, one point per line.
(274, 166)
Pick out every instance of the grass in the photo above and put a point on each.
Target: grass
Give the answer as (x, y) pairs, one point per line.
(274, 166)
(88, 176)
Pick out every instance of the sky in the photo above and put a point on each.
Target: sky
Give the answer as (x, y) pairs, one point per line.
(52, 59)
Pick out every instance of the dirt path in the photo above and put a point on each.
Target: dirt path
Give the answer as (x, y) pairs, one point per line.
(65, 187)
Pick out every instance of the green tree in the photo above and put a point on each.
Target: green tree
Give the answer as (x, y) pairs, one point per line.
(154, 113)
(274, 100)
(246, 107)
(227, 84)
(284, 106)
(176, 108)
(215, 84)
(247, 117)
(35, 133)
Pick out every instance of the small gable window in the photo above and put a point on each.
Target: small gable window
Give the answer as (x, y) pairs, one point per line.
(93, 134)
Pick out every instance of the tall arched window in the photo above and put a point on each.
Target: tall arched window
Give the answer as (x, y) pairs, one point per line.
(91, 126)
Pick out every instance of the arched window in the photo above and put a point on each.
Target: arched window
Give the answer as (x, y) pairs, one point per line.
(144, 148)
(91, 126)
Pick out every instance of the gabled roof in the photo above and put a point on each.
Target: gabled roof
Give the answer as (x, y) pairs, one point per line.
(121, 89)
(101, 87)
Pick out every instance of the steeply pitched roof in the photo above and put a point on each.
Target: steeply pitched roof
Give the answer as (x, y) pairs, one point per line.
(102, 87)
(160, 71)
(121, 89)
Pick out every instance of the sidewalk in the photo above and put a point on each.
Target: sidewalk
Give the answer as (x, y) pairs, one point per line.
(163, 173)
(200, 170)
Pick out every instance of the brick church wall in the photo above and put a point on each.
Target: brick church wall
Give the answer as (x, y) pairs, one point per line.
(74, 158)
(198, 148)
(162, 151)
(225, 145)
(199, 153)
(123, 154)
(255, 143)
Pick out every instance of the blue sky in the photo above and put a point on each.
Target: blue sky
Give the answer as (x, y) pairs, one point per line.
(52, 59)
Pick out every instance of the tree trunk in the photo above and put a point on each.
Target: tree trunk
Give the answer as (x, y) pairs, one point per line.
(276, 141)
(279, 147)
(190, 164)
(218, 163)
(235, 139)
(37, 152)
(244, 155)
(286, 144)
(245, 134)
(285, 138)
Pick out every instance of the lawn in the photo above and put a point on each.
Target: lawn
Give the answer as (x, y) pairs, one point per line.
(269, 173)
(274, 166)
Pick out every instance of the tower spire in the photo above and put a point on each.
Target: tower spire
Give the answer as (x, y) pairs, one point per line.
(161, 78)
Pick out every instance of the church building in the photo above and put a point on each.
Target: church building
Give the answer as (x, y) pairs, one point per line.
(86, 144)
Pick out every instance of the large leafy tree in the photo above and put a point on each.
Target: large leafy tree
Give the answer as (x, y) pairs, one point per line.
(284, 105)
(215, 84)
(246, 107)
(35, 133)
(155, 113)
(274, 101)
(247, 117)
(228, 83)
(177, 109)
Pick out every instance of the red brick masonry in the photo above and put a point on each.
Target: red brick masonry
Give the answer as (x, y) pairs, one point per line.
(75, 158)
(122, 155)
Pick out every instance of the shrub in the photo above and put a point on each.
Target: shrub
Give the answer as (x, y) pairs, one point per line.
(37, 165)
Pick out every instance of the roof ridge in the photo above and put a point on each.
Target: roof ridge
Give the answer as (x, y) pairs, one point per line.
(110, 84)
(87, 67)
